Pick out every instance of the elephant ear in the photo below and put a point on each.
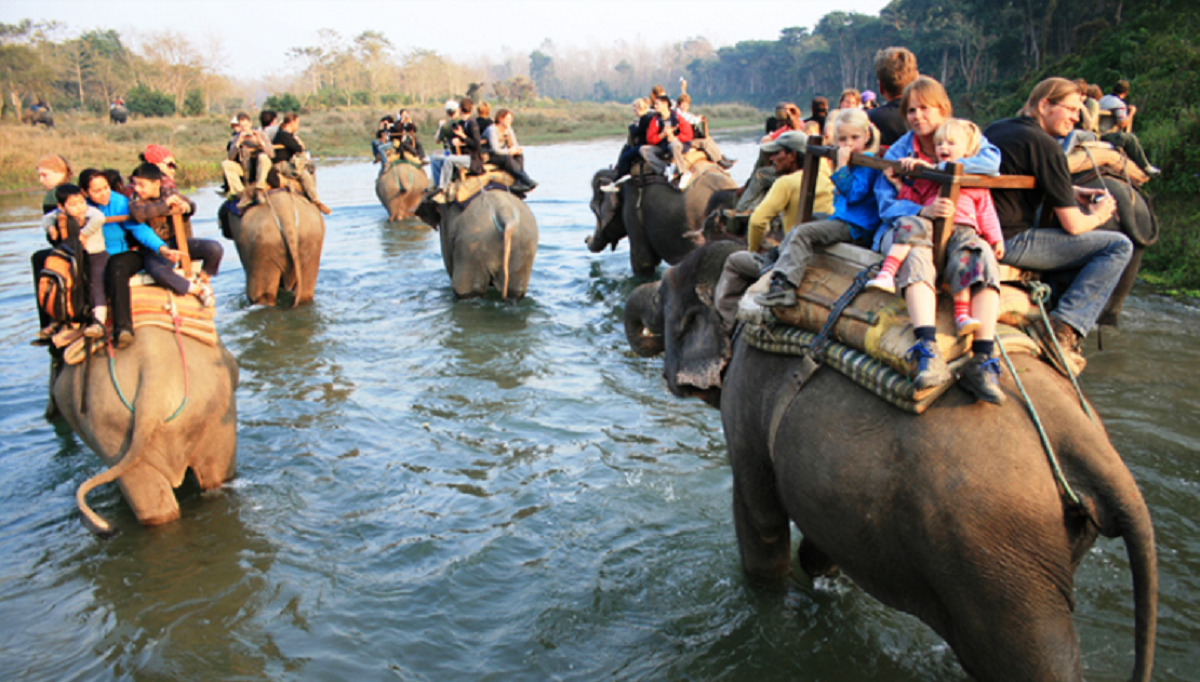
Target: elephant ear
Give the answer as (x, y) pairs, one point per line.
(430, 213)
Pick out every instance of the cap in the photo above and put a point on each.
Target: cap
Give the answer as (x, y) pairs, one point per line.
(451, 105)
(233, 121)
(156, 154)
(868, 95)
(792, 139)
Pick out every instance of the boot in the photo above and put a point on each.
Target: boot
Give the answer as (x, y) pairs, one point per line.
(726, 162)
(782, 293)
(931, 366)
(1068, 340)
(981, 376)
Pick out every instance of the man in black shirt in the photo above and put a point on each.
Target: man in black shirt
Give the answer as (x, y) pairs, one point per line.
(895, 68)
(291, 159)
(1028, 147)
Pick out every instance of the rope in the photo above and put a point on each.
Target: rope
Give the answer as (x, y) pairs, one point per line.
(177, 320)
(1059, 477)
(1038, 293)
(823, 339)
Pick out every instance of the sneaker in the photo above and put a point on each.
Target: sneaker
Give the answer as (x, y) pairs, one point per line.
(726, 163)
(94, 330)
(1068, 340)
(46, 333)
(883, 282)
(206, 296)
(981, 376)
(966, 325)
(1152, 170)
(124, 339)
(246, 199)
(781, 294)
(323, 208)
(610, 188)
(931, 367)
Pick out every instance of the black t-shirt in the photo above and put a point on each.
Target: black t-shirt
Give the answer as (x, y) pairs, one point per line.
(290, 146)
(1026, 149)
(890, 122)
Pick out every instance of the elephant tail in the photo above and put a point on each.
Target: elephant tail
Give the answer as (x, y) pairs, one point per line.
(91, 519)
(508, 227)
(289, 228)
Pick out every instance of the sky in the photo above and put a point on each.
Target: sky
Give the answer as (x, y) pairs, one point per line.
(256, 34)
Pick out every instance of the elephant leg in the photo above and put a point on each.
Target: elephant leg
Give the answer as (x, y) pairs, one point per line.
(470, 282)
(642, 258)
(813, 561)
(764, 540)
(1112, 310)
(150, 495)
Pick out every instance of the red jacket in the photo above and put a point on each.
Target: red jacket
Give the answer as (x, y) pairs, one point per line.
(654, 133)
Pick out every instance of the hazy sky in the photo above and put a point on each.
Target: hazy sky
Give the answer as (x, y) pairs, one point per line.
(256, 34)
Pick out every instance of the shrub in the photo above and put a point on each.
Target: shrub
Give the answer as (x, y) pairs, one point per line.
(282, 103)
(146, 102)
(193, 105)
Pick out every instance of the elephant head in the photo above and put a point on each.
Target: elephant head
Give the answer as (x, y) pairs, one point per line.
(676, 316)
(606, 206)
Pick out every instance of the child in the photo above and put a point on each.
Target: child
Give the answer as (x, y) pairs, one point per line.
(972, 255)
(73, 214)
(152, 205)
(855, 214)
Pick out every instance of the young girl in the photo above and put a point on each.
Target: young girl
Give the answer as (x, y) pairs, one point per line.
(855, 214)
(972, 252)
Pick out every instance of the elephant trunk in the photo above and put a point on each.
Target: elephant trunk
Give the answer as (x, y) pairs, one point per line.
(644, 320)
(1138, 533)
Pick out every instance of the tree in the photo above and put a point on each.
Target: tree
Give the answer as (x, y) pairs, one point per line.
(22, 69)
(142, 100)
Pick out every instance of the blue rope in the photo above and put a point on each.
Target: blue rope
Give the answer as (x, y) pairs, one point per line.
(1037, 422)
(1038, 293)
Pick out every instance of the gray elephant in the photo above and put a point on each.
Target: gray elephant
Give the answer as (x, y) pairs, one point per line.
(490, 242)
(118, 114)
(975, 540)
(662, 223)
(400, 190)
(279, 243)
(164, 406)
(35, 116)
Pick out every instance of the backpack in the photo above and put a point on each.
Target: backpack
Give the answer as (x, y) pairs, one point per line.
(59, 293)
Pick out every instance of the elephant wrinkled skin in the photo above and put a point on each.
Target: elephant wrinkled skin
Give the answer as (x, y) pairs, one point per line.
(953, 516)
(489, 243)
(279, 244)
(400, 190)
(147, 447)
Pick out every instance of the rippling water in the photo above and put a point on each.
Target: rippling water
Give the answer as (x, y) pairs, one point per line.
(440, 490)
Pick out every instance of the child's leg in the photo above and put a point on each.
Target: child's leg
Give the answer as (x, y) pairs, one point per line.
(209, 252)
(163, 273)
(922, 304)
(886, 279)
(963, 320)
(794, 254)
(96, 263)
(985, 307)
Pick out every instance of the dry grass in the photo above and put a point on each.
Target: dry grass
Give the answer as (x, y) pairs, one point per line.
(199, 143)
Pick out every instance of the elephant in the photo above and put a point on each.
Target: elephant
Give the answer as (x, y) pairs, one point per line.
(400, 190)
(490, 241)
(662, 223)
(151, 415)
(279, 243)
(34, 116)
(118, 115)
(1135, 219)
(977, 542)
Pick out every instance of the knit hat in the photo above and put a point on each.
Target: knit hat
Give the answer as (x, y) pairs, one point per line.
(55, 163)
(868, 95)
(156, 154)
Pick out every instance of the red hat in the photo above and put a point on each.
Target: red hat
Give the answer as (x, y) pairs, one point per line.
(156, 154)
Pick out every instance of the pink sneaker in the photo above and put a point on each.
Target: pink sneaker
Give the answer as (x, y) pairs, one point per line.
(966, 325)
(883, 282)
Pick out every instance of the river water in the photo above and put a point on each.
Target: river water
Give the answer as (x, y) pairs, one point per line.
(439, 490)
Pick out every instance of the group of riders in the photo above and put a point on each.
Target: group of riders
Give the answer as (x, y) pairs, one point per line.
(259, 159)
(102, 229)
(892, 211)
(471, 141)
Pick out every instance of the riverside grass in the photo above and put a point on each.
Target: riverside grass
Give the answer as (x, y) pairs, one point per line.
(198, 143)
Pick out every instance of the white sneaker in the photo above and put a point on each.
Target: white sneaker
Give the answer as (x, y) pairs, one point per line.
(883, 282)
(1152, 170)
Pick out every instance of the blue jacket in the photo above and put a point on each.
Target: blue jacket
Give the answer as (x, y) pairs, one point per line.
(854, 199)
(891, 208)
(116, 235)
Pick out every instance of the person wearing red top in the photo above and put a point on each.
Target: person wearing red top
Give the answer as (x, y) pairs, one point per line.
(667, 136)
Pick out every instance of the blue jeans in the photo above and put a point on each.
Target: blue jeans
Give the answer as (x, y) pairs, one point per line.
(1099, 255)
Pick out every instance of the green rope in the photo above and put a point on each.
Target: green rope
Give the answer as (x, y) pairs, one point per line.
(112, 373)
(1038, 293)
(1054, 465)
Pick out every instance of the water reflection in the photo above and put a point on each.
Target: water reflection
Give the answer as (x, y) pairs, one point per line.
(185, 596)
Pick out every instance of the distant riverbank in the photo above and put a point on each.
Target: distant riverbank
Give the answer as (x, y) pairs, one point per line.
(199, 143)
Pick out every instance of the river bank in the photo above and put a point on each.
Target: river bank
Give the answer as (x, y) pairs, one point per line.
(199, 142)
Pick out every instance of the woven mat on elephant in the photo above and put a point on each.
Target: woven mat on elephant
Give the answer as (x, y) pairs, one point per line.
(462, 191)
(875, 322)
(1088, 155)
(868, 372)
